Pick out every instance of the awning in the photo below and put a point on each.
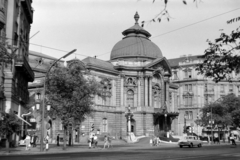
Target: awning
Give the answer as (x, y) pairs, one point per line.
(23, 120)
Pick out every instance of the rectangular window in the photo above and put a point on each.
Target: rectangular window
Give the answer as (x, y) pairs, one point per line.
(186, 115)
(221, 88)
(188, 87)
(189, 115)
(188, 101)
(205, 99)
(104, 122)
(175, 77)
(230, 88)
(188, 73)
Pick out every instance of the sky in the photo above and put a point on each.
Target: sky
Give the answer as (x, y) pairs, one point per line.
(93, 27)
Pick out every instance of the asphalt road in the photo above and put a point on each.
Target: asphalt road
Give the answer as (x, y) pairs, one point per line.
(221, 152)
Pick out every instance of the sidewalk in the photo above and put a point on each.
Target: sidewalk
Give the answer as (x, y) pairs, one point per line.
(83, 147)
(53, 149)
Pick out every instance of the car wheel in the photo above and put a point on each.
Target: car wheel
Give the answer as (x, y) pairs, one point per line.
(191, 145)
(199, 145)
(180, 146)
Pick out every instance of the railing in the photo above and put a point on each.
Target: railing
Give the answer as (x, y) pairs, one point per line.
(21, 61)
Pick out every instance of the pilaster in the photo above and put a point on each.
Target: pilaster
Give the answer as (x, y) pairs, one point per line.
(146, 90)
(150, 91)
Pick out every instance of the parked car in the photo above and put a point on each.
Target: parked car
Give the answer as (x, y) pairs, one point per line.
(190, 141)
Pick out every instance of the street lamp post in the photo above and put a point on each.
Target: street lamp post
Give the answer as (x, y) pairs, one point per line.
(44, 92)
(165, 115)
(212, 122)
(129, 115)
(185, 127)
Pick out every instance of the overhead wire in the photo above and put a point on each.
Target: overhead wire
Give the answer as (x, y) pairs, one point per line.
(133, 43)
(177, 29)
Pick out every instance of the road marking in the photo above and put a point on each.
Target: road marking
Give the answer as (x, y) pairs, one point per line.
(53, 157)
(231, 154)
(178, 158)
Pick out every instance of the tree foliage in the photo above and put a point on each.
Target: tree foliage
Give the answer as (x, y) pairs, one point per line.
(9, 124)
(222, 57)
(70, 93)
(225, 112)
(164, 12)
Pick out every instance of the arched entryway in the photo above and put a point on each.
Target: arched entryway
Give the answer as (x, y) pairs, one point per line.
(132, 126)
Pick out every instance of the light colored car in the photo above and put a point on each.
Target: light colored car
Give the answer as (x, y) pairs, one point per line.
(190, 141)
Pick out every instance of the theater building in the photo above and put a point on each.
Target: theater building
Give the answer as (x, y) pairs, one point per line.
(137, 92)
(136, 83)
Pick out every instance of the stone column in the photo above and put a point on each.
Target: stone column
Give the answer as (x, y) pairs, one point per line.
(150, 91)
(166, 90)
(139, 91)
(122, 90)
(146, 90)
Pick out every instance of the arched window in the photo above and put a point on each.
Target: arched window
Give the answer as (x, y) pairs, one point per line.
(104, 125)
(106, 92)
(130, 98)
(156, 96)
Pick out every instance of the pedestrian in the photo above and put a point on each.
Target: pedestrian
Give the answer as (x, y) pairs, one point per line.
(46, 142)
(106, 143)
(232, 138)
(90, 141)
(95, 140)
(27, 141)
(109, 142)
(34, 139)
(58, 138)
(151, 142)
(31, 140)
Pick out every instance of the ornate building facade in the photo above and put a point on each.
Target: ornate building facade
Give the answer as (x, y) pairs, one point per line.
(195, 91)
(136, 79)
(16, 17)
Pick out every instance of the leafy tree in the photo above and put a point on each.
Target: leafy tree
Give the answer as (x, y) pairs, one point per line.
(9, 125)
(222, 57)
(225, 112)
(70, 93)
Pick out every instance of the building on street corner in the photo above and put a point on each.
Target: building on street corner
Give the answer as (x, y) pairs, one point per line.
(195, 91)
(16, 17)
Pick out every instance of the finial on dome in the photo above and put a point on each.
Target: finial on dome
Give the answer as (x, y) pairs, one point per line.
(136, 17)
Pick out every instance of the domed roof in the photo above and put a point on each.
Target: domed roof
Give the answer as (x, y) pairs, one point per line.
(135, 43)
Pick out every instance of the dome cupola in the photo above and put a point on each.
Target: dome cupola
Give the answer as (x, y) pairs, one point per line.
(135, 44)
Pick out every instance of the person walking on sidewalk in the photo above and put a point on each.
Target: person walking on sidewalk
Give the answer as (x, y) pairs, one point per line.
(95, 141)
(90, 141)
(47, 141)
(27, 141)
(232, 138)
(58, 138)
(34, 139)
(106, 142)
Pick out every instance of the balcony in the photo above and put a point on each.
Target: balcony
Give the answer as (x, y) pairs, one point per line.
(22, 64)
(104, 108)
(28, 9)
